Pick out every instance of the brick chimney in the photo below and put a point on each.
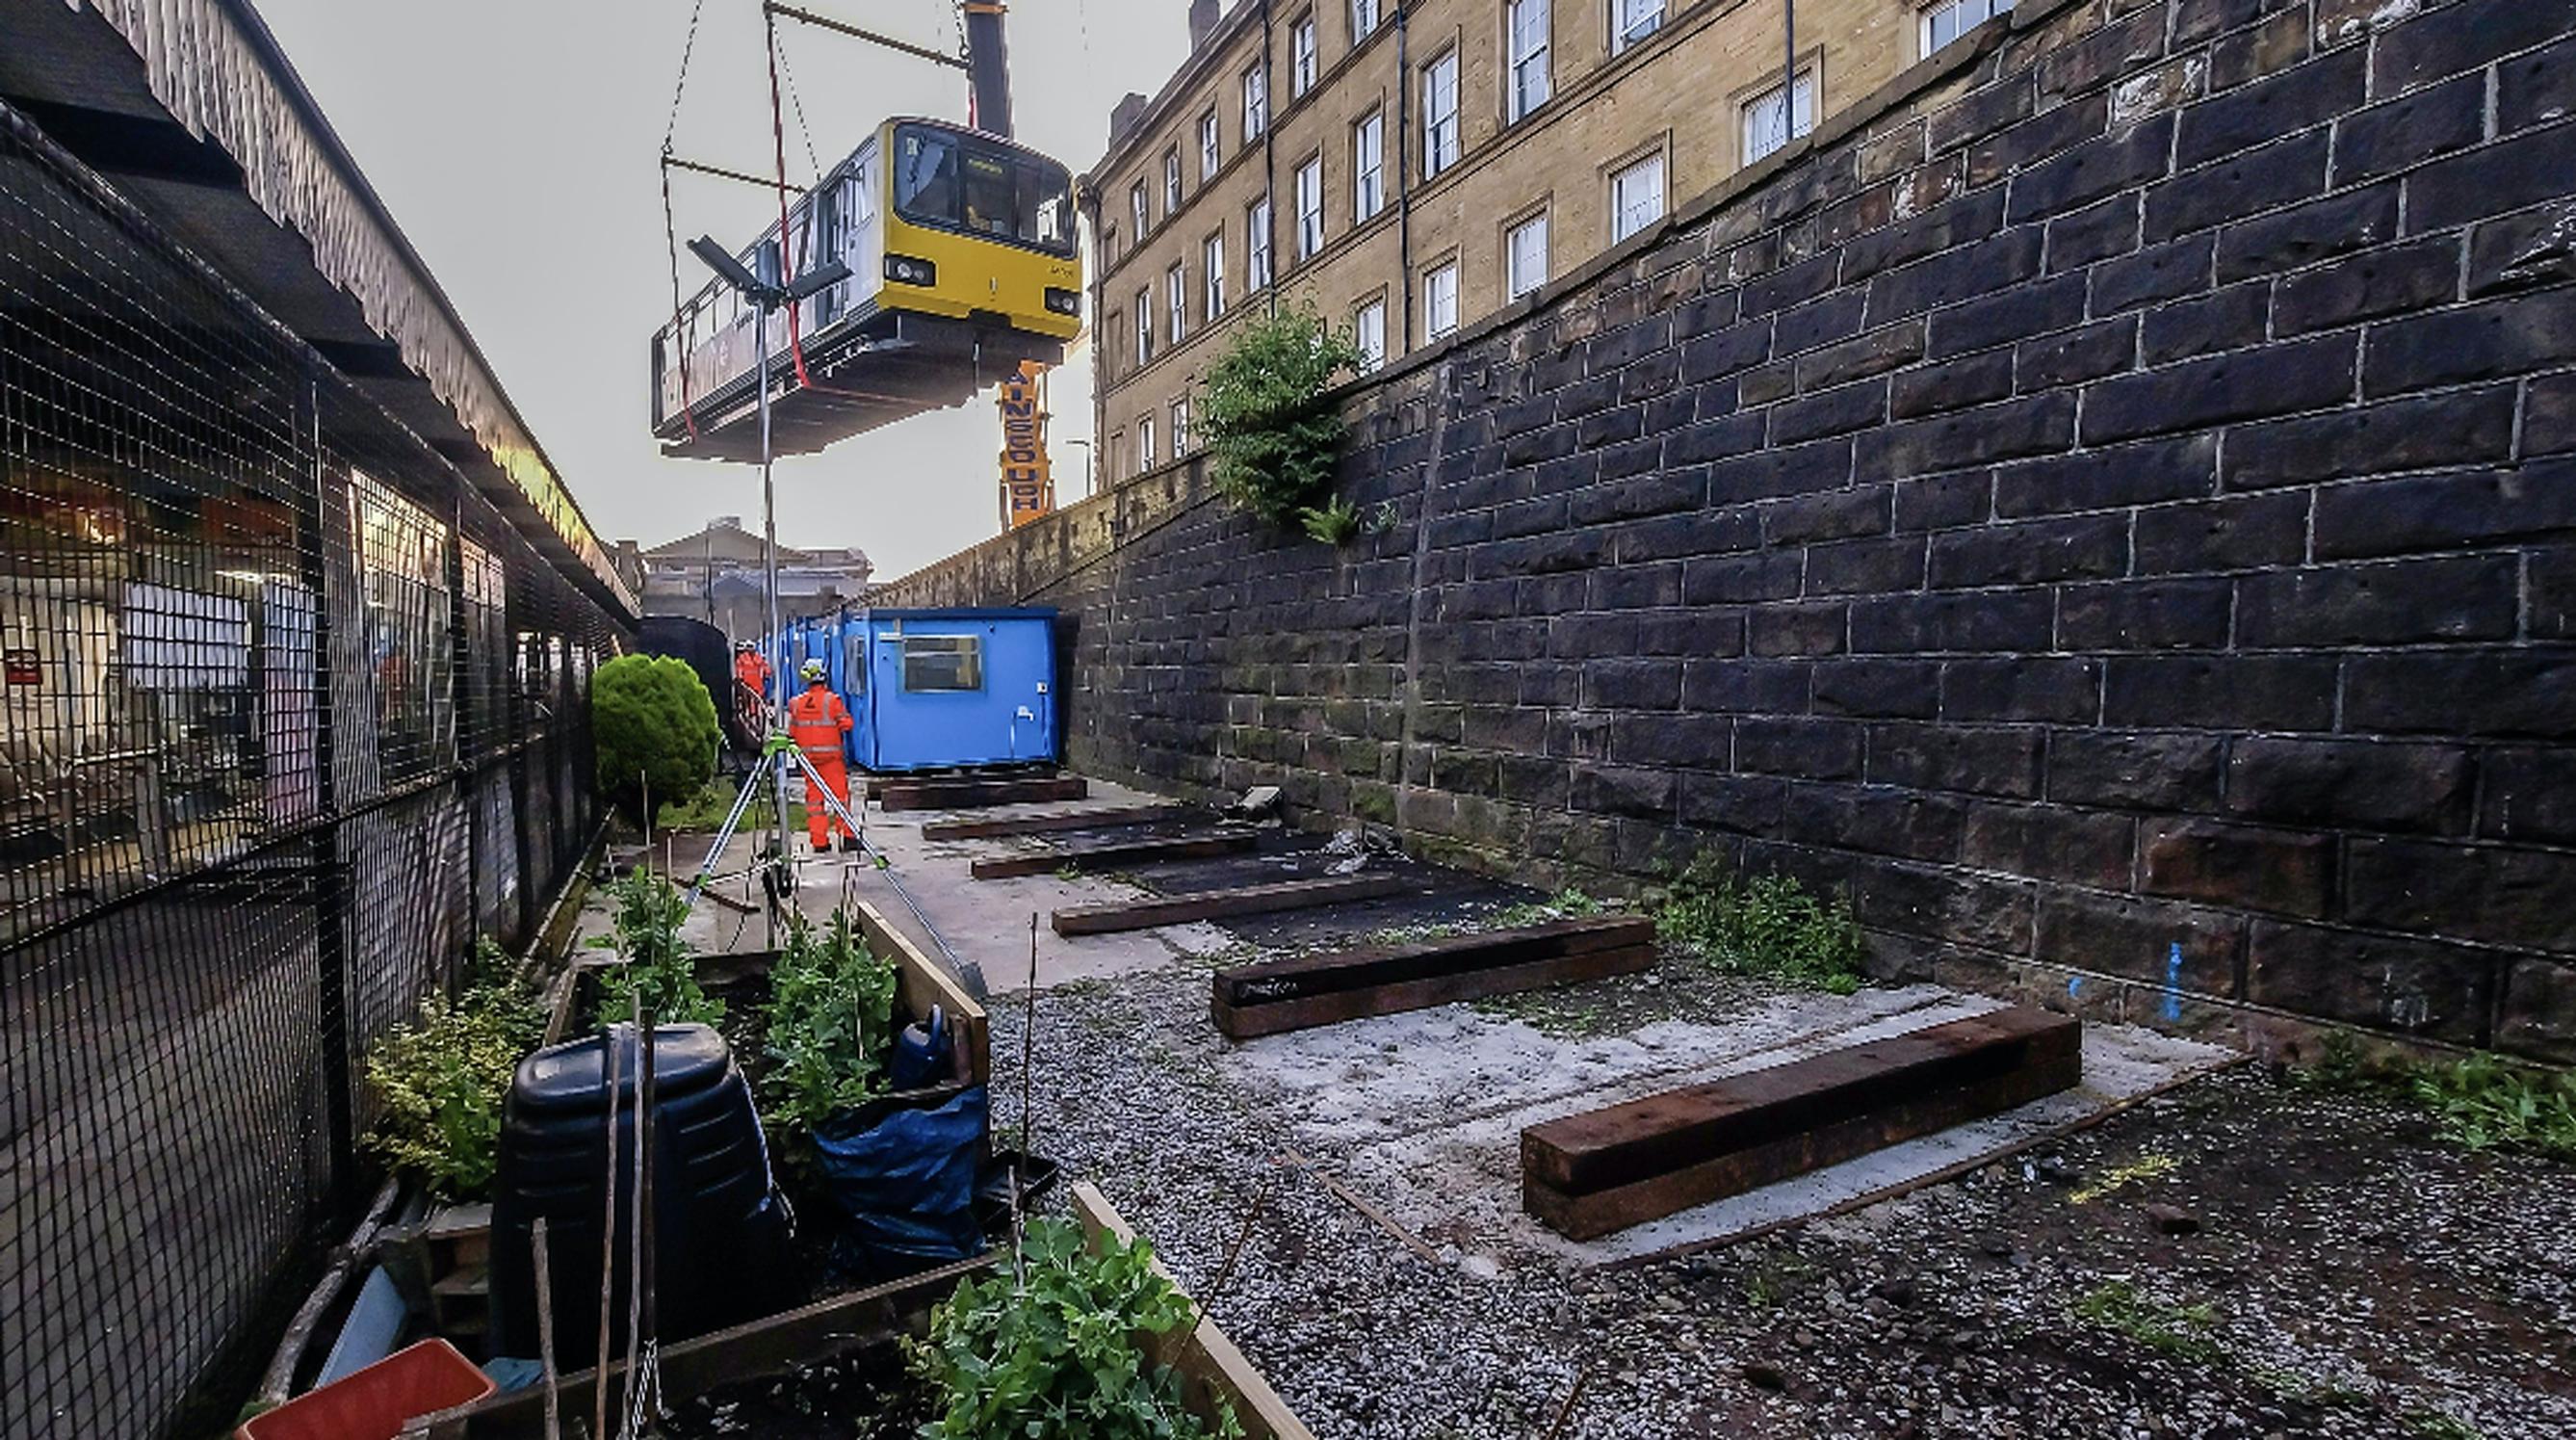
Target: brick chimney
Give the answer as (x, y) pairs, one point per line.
(1202, 23)
(1124, 118)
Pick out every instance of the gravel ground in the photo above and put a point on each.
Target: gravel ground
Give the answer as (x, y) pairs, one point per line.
(2239, 1258)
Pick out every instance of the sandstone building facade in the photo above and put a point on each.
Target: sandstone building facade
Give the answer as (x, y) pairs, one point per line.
(1409, 168)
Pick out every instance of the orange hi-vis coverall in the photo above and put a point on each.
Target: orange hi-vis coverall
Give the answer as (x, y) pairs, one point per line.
(751, 668)
(816, 721)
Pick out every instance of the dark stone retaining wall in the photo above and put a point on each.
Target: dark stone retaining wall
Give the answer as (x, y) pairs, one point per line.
(2108, 503)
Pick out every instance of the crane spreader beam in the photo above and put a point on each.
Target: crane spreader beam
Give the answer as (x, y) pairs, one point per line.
(826, 22)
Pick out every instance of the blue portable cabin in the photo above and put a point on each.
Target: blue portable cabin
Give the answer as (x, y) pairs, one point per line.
(937, 689)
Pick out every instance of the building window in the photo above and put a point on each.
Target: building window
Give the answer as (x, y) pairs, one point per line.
(1525, 86)
(1176, 295)
(1256, 244)
(1301, 55)
(1368, 329)
(1256, 104)
(1440, 301)
(1766, 120)
(1363, 21)
(1145, 456)
(1440, 115)
(1525, 256)
(1171, 183)
(1207, 146)
(1949, 19)
(1634, 20)
(1368, 168)
(1145, 325)
(1180, 425)
(1636, 197)
(1212, 266)
(1136, 209)
(1310, 208)
(943, 662)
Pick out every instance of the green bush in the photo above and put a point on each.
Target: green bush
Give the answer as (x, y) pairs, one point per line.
(1271, 433)
(1055, 1356)
(1767, 925)
(651, 724)
(831, 1021)
(658, 962)
(443, 1078)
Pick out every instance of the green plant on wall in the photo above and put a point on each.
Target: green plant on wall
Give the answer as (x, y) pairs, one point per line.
(441, 1080)
(1055, 1356)
(658, 962)
(831, 1020)
(1272, 434)
(653, 725)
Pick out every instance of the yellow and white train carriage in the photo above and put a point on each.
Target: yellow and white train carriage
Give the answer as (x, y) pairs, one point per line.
(963, 263)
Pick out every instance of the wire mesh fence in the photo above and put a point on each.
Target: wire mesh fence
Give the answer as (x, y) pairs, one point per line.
(291, 715)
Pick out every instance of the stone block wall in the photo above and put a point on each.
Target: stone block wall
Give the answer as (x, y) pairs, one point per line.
(2106, 503)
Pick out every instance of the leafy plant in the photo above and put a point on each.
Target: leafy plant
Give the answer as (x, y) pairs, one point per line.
(1055, 1356)
(2121, 1177)
(1335, 522)
(831, 1020)
(1570, 903)
(2483, 1103)
(1272, 435)
(2167, 1329)
(653, 725)
(443, 1078)
(658, 962)
(1767, 925)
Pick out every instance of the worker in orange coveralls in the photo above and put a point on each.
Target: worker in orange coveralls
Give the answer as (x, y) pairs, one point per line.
(751, 671)
(816, 721)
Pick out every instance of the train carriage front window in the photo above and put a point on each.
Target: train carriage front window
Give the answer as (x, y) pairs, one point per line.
(1015, 197)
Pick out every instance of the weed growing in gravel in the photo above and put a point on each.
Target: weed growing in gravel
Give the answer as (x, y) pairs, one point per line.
(2478, 1103)
(1775, 1278)
(1767, 925)
(2440, 1425)
(2121, 1177)
(1569, 903)
(2483, 1103)
(2167, 1329)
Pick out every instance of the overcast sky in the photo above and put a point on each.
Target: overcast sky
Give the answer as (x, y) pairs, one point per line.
(515, 143)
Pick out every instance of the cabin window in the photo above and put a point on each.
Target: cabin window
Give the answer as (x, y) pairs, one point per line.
(854, 662)
(943, 662)
(982, 190)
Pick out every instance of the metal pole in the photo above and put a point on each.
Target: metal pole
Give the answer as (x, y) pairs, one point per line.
(776, 265)
(1789, 77)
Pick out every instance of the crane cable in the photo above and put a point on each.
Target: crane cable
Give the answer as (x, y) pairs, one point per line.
(671, 228)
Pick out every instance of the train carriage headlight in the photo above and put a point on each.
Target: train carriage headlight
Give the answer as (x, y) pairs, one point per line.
(906, 270)
(1064, 302)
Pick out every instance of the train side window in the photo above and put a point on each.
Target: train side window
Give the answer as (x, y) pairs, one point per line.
(863, 194)
(943, 662)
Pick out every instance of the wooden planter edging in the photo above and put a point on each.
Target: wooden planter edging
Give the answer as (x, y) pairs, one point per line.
(964, 794)
(1121, 852)
(1590, 1174)
(1209, 1365)
(769, 1346)
(1217, 904)
(1100, 819)
(1308, 990)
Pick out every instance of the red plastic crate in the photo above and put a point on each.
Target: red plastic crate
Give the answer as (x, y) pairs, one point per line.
(373, 1403)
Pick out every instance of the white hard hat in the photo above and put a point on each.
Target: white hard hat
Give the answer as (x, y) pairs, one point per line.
(811, 670)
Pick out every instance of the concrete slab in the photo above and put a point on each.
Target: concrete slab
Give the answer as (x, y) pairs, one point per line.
(982, 926)
(1426, 1109)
